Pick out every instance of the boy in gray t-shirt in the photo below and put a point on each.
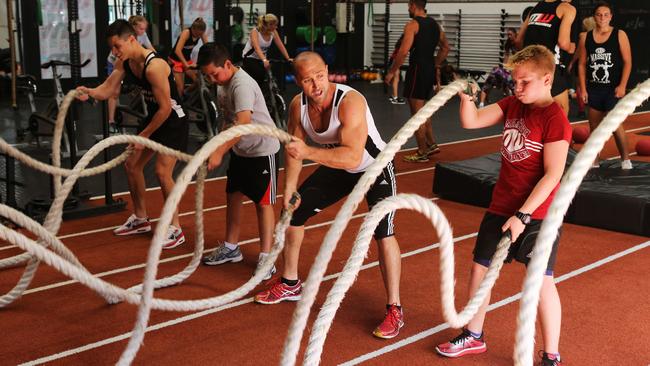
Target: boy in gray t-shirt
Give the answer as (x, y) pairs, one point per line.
(252, 170)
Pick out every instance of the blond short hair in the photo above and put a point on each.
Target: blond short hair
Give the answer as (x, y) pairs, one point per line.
(135, 19)
(266, 21)
(535, 54)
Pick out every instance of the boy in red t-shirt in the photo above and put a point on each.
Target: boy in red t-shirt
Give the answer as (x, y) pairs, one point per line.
(533, 154)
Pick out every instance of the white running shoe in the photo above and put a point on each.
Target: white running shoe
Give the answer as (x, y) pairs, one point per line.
(175, 237)
(133, 225)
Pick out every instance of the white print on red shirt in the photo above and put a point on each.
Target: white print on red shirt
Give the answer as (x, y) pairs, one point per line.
(515, 135)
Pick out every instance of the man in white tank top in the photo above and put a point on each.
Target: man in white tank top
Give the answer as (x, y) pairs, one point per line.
(337, 118)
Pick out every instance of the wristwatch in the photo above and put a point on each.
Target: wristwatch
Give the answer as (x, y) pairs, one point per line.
(524, 217)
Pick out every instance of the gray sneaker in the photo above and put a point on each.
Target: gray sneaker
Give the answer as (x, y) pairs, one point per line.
(270, 273)
(221, 254)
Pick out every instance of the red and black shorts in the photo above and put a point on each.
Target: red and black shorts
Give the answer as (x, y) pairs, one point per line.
(419, 82)
(254, 177)
(490, 234)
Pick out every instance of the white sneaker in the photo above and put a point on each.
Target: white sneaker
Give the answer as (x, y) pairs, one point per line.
(175, 237)
(626, 164)
(133, 225)
(269, 274)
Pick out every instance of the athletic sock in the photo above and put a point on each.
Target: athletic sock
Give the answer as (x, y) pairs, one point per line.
(475, 335)
(289, 282)
(230, 245)
(262, 256)
(389, 305)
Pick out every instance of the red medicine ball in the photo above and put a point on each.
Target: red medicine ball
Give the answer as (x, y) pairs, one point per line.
(580, 134)
(643, 147)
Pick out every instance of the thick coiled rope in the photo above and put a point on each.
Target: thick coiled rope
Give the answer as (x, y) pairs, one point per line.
(63, 260)
(360, 249)
(523, 353)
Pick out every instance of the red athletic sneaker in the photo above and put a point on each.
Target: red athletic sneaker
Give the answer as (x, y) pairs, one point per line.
(549, 359)
(393, 322)
(133, 225)
(279, 292)
(464, 344)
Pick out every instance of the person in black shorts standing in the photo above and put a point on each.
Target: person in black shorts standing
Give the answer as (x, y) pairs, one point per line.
(252, 170)
(166, 122)
(339, 122)
(549, 24)
(603, 70)
(421, 37)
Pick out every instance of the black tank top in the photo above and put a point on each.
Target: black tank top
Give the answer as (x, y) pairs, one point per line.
(147, 90)
(604, 61)
(425, 42)
(544, 27)
(187, 48)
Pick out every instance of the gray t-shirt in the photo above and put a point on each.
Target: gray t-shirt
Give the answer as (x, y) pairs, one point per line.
(243, 94)
(144, 40)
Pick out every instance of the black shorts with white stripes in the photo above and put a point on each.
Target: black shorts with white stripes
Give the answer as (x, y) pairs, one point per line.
(327, 186)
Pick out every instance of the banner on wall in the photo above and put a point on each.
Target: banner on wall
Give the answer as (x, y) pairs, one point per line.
(192, 9)
(54, 36)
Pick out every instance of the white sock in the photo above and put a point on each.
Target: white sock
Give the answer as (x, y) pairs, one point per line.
(481, 105)
(230, 245)
(262, 256)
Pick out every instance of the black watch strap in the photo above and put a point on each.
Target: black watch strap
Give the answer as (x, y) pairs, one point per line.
(524, 217)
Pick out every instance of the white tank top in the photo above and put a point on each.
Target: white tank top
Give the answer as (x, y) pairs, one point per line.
(330, 137)
(249, 51)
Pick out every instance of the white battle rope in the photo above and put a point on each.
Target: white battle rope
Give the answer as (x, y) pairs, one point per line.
(360, 249)
(317, 271)
(523, 353)
(64, 261)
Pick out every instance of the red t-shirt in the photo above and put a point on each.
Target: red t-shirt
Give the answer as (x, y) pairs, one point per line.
(526, 130)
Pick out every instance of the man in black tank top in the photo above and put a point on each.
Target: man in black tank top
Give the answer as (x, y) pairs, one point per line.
(165, 123)
(421, 37)
(549, 25)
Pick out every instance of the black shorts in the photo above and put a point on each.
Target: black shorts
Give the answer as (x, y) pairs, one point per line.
(601, 99)
(326, 186)
(419, 81)
(255, 68)
(254, 177)
(560, 82)
(173, 133)
(490, 234)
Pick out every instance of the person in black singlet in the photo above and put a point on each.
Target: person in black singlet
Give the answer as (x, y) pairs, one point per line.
(164, 124)
(603, 70)
(549, 25)
(421, 36)
(180, 58)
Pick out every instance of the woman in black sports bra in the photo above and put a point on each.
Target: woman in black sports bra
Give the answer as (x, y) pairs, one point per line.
(165, 123)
